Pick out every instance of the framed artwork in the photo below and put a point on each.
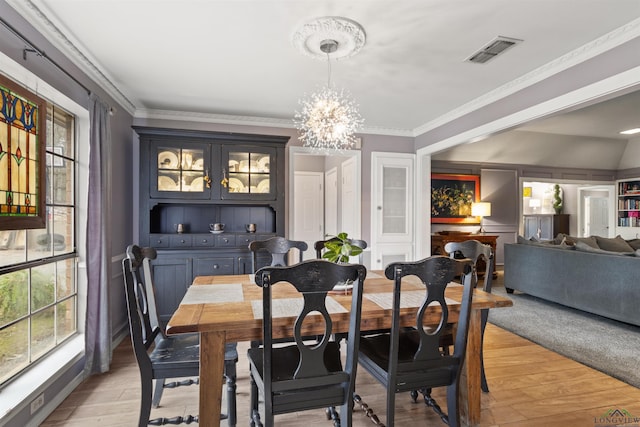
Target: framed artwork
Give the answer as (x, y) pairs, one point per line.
(22, 157)
(451, 198)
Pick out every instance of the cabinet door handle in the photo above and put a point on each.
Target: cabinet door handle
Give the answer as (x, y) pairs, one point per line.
(215, 266)
(226, 240)
(204, 240)
(182, 241)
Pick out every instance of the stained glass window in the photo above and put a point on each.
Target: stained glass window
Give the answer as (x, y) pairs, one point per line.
(22, 145)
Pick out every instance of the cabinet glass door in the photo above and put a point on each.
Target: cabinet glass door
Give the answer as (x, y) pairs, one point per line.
(394, 199)
(180, 171)
(392, 178)
(248, 173)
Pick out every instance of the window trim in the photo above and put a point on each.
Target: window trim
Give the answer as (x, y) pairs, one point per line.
(18, 394)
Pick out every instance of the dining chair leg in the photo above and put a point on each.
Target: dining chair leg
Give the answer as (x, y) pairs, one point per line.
(452, 406)
(254, 414)
(157, 393)
(145, 401)
(230, 375)
(484, 316)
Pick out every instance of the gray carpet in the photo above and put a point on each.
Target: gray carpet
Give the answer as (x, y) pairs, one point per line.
(606, 345)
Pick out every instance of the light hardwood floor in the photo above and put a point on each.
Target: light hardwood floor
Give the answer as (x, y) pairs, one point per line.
(529, 386)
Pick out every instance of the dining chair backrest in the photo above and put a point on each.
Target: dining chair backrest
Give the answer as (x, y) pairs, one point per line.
(313, 378)
(278, 247)
(410, 359)
(319, 246)
(435, 273)
(475, 251)
(143, 314)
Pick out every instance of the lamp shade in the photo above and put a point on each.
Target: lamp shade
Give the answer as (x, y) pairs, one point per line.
(481, 209)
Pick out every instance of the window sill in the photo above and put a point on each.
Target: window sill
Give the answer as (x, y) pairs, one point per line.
(19, 393)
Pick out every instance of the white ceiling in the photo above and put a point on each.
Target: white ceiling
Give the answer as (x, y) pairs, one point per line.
(233, 61)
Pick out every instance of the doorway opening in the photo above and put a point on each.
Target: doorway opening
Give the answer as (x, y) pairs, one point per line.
(335, 204)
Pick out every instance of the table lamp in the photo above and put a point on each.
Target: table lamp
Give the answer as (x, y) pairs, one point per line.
(481, 209)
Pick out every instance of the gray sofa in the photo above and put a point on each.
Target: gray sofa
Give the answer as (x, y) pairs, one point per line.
(606, 283)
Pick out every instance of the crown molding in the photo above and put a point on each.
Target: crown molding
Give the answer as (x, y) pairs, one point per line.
(186, 116)
(36, 13)
(587, 51)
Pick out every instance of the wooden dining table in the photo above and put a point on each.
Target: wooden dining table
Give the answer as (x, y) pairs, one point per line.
(228, 309)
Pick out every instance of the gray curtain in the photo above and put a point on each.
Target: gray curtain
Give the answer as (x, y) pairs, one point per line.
(98, 349)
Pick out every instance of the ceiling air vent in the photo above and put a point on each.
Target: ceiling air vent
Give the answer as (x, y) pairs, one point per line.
(494, 48)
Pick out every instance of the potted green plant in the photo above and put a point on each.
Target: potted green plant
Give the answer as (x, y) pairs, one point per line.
(340, 248)
(557, 199)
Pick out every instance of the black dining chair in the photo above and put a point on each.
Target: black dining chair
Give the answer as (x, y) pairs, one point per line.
(161, 357)
(278, 247)
(476, 251)
(306, 375)
(319, 246)
(407, 359)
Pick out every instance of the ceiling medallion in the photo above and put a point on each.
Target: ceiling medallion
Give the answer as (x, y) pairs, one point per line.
(329, 117)
(348, 34)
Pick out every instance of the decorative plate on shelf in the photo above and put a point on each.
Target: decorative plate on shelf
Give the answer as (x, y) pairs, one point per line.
(263, 164)
(165, 183)
(235, 185)
(198, 164)
(263, 186)
(197, 184)
(167, 160)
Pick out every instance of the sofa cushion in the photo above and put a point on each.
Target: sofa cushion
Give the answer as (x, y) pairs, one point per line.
(547, 244)
(634, 243)
(615, 244)
(585, 247)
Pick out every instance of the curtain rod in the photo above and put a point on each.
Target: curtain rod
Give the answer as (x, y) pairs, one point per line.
(34, 49)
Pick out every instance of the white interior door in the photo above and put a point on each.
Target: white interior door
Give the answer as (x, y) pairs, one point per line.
(308, 224)
(331, 202)
(350, 219)
(597, 214)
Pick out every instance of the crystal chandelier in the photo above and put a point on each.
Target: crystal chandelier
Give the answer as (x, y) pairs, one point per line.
(329, 118)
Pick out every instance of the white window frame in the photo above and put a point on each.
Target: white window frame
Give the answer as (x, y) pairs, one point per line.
(20, 391)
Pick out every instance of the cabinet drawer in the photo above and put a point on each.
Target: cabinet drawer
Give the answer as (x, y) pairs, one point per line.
(244, 239)
(225, 240)
(180, 241)
(203, 240)
(212, 266)
(159, 241)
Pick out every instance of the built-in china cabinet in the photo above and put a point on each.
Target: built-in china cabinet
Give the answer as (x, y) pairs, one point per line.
(191, 179)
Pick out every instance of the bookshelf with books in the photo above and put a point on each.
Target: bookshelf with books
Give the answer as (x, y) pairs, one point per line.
(629, 207)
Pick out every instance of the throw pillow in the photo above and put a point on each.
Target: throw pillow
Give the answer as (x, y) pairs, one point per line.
(560, 239)
(615, 244)
(591, 241)
(582, 246)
